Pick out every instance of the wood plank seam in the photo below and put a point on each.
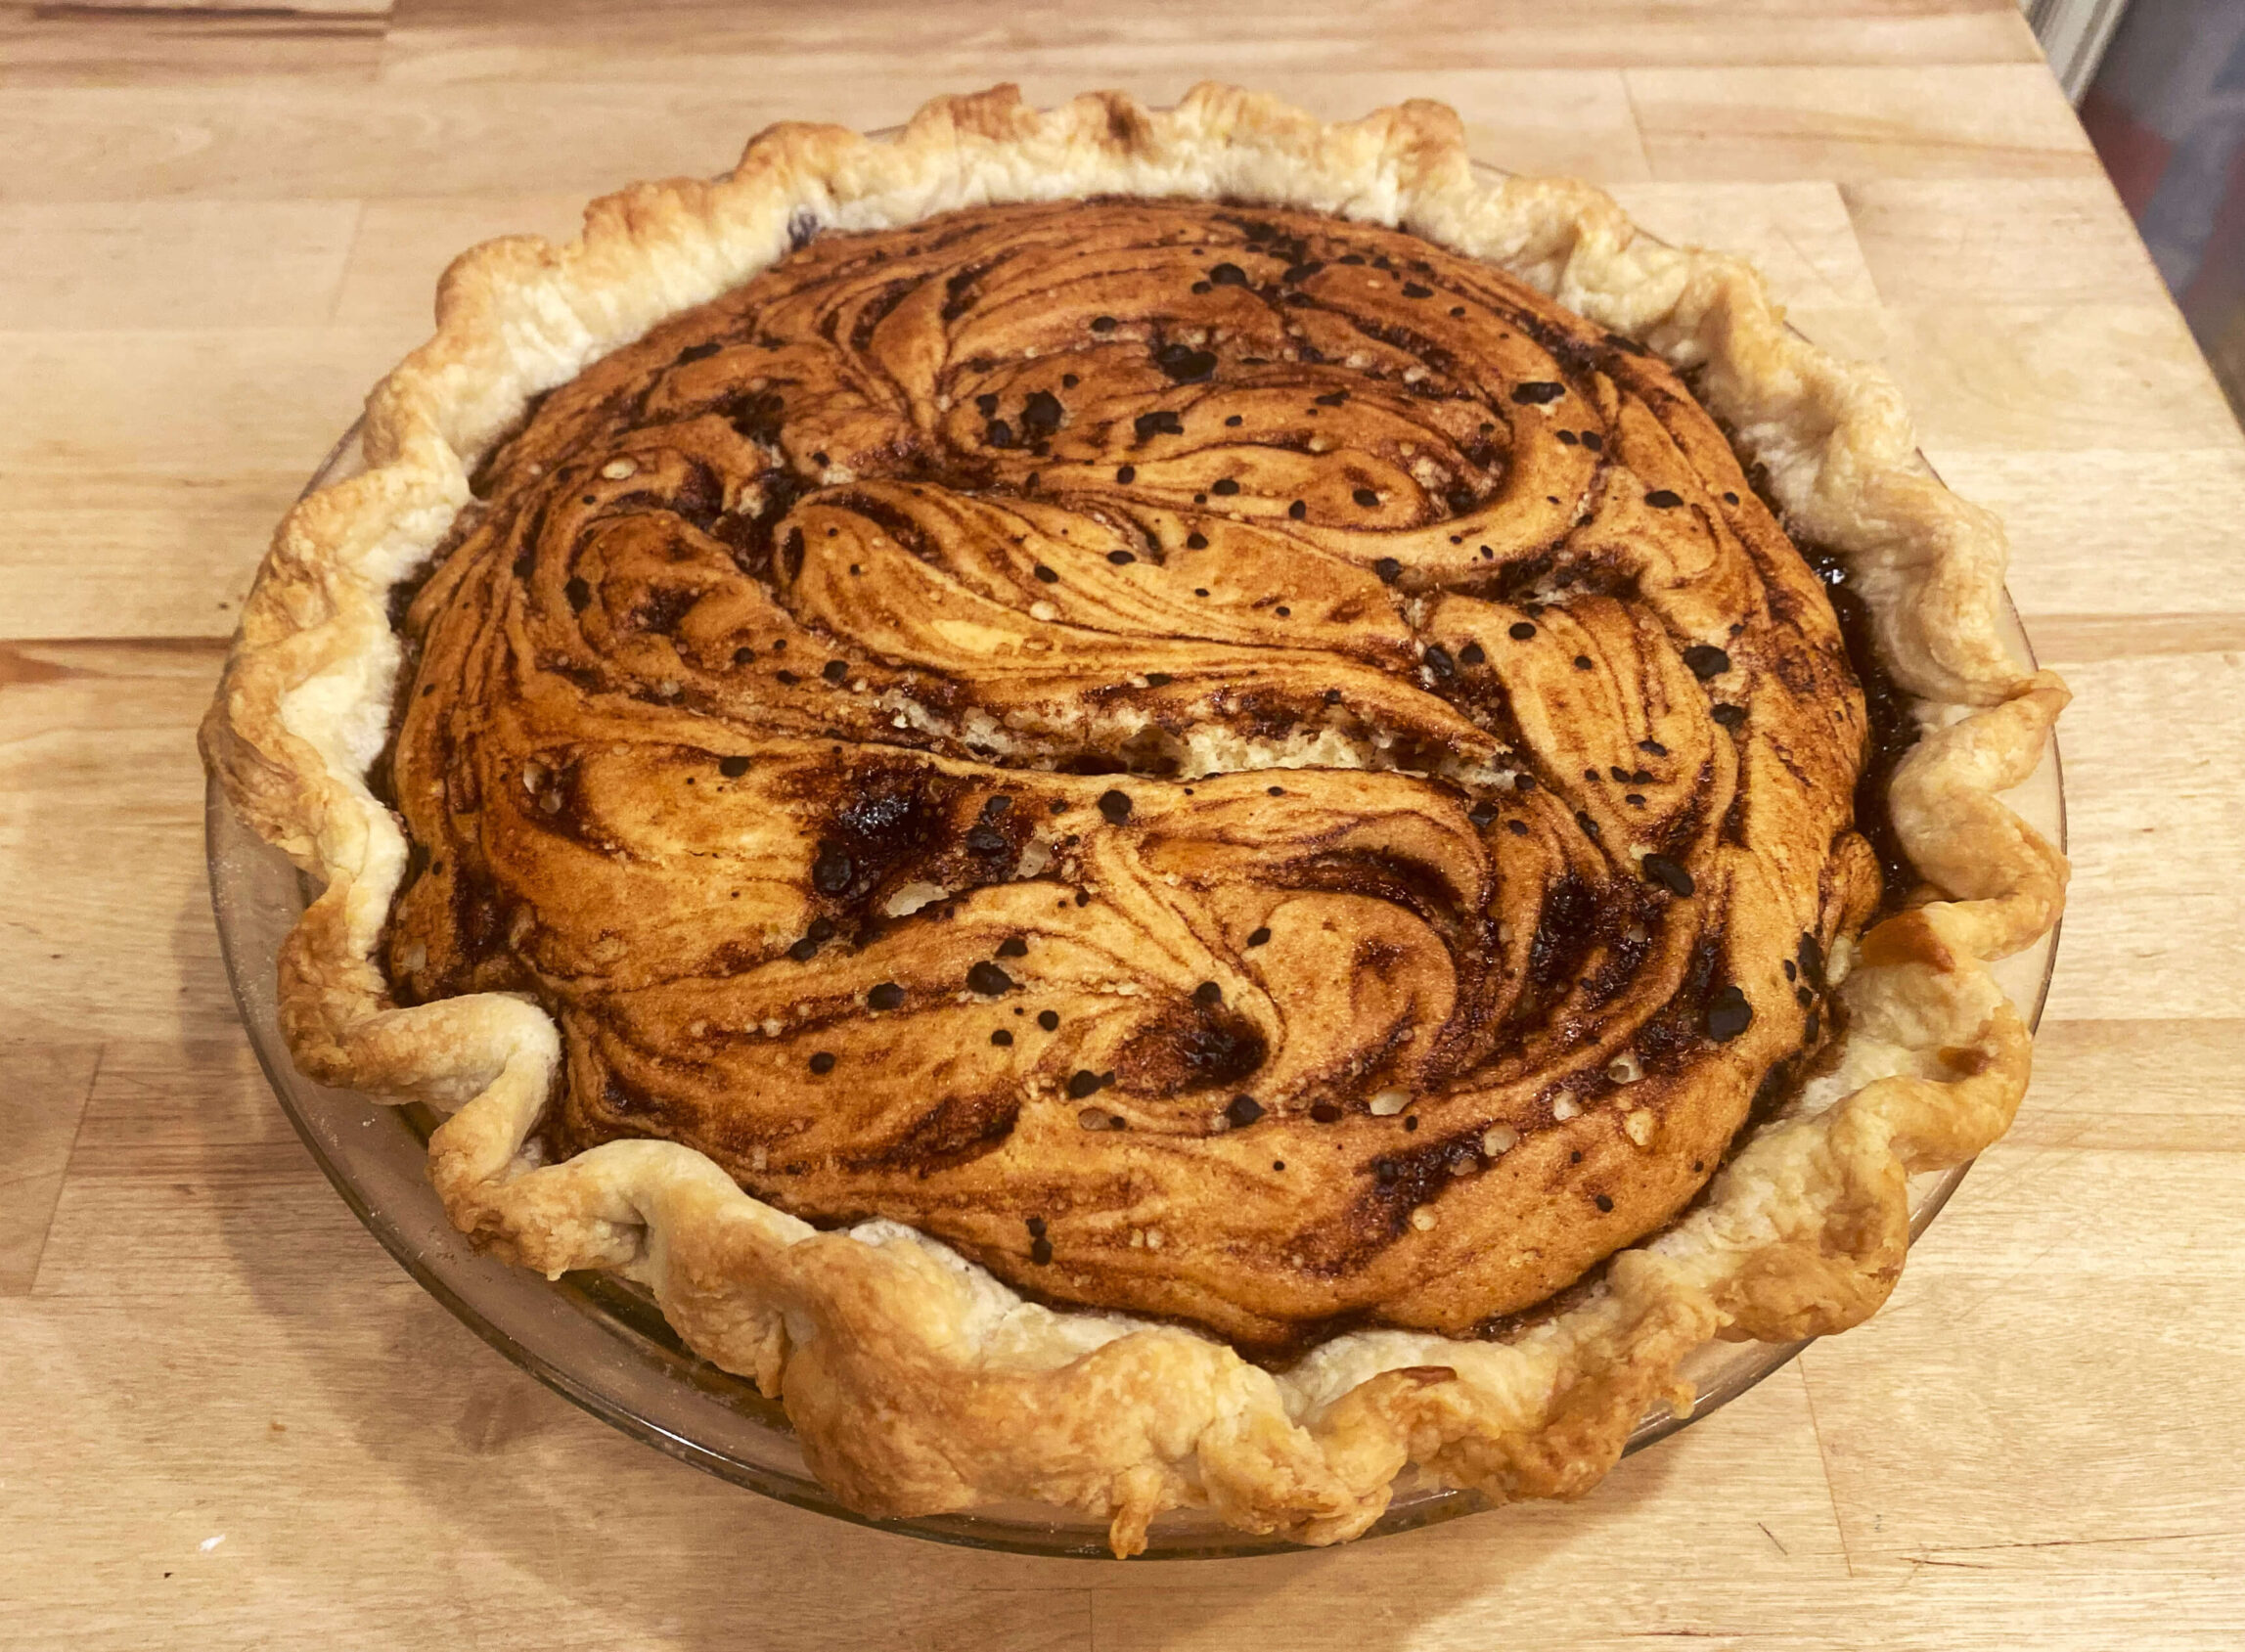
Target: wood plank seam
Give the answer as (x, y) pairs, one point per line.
(85, 1105)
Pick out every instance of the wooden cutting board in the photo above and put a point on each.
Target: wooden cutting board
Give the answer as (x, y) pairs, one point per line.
(227, 1419)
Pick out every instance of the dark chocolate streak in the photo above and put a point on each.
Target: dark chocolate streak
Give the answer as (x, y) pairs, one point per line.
(1143, 717)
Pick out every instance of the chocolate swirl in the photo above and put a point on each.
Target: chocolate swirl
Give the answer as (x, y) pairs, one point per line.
(1227, 763)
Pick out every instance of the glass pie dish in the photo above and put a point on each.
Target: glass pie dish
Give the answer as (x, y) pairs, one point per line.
(601, 1341)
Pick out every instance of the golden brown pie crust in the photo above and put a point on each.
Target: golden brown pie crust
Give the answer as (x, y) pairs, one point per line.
(597, 642)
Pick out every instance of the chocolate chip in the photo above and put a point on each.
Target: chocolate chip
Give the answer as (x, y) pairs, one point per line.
(787, 679)
(1802, 996)
(1812, 956)
(1147, 425)
(1102, 323)
(1439, 662)
(1001, 1038)
(1208, 995)
(733, 768)
(1048, 1019)
(1538, 392)
(1041, 413)
(1729, 716)
(1082, 1083)
(1652, 748)
(988, 979)
(1274, 791)
(1235, 422)
(1334, 399)
(1567, 439)
(1481, 814)
(1127, 474)
(1811, 1028)
(832, 872)
(1242, 1111)
(1792, 970)
(1520, 630)
(887, 996)
(1069, 380)
(1202, 286)
(1294, 273)
(1040, 1251)
(1351, 258)
(1333, 697)
(1388, 569)
(822, 1062)
(1523, 782)
(834, 670)
(1044, 575)
(1661, 499)
(579, 594)
(1604, 1203)
(1197, 542)
(1472, 654)
(1159, 679)
(1115, 805)
(803, 950)
(1013, 946)
(1036, 1227)
(1228, 275)
(1458, 312)
(1518, 828)
(986, 405)
(1728, 1014)
(1706, 660)
(1593, 441)
(1121, 558)
(1299, 509)
(1325, 1112)
(1182, 364)
(1225, 488)
(1583, 663)
(742, 656)
(1730, 498)
(997, 433)
(1386, 1170)
(696, 352)
(983, 840)
(1669, 874)
(1588, 826)
(1258, 936)
(1366, 497)
(1411, 290)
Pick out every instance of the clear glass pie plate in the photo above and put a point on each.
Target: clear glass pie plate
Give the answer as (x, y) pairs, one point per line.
(601, 1343)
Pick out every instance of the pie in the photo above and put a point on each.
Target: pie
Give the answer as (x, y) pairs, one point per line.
(1156, 808)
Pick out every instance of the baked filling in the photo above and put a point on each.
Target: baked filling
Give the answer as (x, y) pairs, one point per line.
(1226, 763)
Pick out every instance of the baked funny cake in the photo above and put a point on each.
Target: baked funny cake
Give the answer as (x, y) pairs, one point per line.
(1176, 799)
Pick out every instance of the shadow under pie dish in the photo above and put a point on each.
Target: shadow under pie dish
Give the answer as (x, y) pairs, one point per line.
(1146, 792)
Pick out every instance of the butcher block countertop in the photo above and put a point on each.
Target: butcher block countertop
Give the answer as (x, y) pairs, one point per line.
(227, 1418)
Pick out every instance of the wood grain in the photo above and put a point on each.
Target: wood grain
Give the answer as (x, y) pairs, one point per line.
(230, 1421)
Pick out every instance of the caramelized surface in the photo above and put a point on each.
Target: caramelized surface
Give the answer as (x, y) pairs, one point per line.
(1226, 763)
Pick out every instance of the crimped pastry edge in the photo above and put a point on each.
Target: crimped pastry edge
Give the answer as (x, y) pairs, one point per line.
(983, 1397)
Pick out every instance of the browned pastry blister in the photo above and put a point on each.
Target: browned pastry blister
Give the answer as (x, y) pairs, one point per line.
(1071, 788)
